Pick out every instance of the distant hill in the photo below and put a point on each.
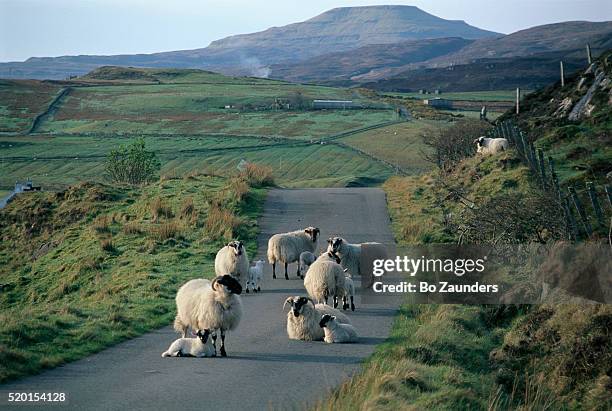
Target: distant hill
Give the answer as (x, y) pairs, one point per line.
(336, 30)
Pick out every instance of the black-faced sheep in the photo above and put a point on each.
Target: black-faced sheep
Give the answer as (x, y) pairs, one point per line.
(201, 346)
(304, 316)
(232, 259)
(205, 305)
(325, 278)
(485, 145)
(336, 332)
(350, 254)
(287, 247)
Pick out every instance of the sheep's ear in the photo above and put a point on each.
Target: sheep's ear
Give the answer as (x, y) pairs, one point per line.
(345, 270)
(213, 285)
(329, 240)
(288, 300)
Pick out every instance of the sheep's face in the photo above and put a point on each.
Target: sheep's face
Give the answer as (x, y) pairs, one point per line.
(313, 233)
(298, 304)
(227, 284)
(479, 142)
(326, 319)
(237, 247)
(334, 244)
(203, 335)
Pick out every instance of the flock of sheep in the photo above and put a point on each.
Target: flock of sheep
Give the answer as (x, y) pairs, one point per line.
(208, 308)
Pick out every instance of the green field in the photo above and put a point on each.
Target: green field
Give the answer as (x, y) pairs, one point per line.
(21, 101)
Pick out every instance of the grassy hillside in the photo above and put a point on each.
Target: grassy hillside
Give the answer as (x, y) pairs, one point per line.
(95, 264)
(21, 101)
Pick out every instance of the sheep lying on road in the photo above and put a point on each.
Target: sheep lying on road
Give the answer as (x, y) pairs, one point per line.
(304, 316)
(325, 278)
(205, 305)
(486, 145)
(255, 276)
(306, 260)
(232, 259)
(336, 332)
(287, 247)
(201, 346)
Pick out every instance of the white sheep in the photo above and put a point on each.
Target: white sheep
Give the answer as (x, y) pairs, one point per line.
(201, 346)
(336, 332)
(485, 145)
(350, 254)
(255, 276)
(232, 259)
(349, 291)
(306, 260)
(205, 305)
(304, 316)
(287, 247)
(325, 278)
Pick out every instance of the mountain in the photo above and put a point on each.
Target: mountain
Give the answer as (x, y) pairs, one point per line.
(336, 30)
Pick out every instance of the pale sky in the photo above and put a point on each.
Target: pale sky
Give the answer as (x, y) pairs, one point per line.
(69, 27)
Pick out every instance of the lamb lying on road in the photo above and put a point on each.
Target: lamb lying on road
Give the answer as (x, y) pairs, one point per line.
(336, 332)
(201, 346)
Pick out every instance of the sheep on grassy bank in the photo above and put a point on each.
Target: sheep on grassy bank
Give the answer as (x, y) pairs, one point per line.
(304, 316)
(205, 305)
(485, 145)
(350, 254)
(336, 332)
(255, 276)
(233, 260)
(325, 278)
(201, 346)
(306, 260)
(287, 247)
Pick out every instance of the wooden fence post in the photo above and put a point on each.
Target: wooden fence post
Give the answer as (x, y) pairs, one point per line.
(533, 160)
(589, 56)
(570, 220)
(553, 178)
(524, 147)
(518, 99)
(595, 203)
(562, 74)
(581, 212)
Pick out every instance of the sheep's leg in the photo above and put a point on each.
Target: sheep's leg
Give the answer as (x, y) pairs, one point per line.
(335, 301)
(274, 270)
(345, 304)
(286, 275)
(214, 340)
(352, 304)
(223, 353)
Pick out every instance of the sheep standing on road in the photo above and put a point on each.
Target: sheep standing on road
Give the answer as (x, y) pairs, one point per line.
(287, 247)
(306, 260)
(205, 305)
(336, 332)
(304, 316)
(255, 276)
(201, 346)
(349, 291)
(325, 278)
(233, 260)
(486, 145)
(350, 254)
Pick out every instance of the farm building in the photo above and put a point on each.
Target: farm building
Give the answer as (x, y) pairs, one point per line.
(438, 103)
(332, 104)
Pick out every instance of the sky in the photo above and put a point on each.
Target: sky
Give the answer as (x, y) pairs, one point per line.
(49, 28)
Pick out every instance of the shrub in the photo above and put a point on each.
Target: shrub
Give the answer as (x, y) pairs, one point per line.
(107, 245)
(257, 175)
(132, 164)
(165, 231)
(132, 228)
(160, 209)
(188, 209)
(238, 189)
(101, 224)
(221, 223)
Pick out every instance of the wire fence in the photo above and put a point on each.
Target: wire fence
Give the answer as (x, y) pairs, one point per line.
(587, 211)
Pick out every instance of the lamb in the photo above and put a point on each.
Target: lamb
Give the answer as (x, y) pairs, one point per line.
(336, 332)
(349, 291)
(205, 305)
(306, 260)
(350, 254)
(325, 278)
(255, 276)
(232, 259)
(201, 346)
(287, 247)
(491, 145)
(303, 318)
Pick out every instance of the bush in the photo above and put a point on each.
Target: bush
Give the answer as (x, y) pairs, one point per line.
(188, 209)
(165, 231)
(455, 143)
(107, 245)
(132, 164)
(160, 209)
(132, 228)
(221, 223)
(257, 175)
(102, 224)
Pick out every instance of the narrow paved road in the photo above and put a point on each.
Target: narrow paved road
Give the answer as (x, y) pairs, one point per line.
(264, 369)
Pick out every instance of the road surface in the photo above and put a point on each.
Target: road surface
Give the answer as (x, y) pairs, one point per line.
(264, 369)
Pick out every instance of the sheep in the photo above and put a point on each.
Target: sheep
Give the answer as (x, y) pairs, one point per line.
(205, 305)
(490, 145)
(349, 291)
(325, 278)
(255, 276)
(287, 247)
(232, 259)
(336, 332)
(306, 260)
(201, 346)
(303, 318)
(350, 254)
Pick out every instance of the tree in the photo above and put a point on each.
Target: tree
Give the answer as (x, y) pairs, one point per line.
(132, 164)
